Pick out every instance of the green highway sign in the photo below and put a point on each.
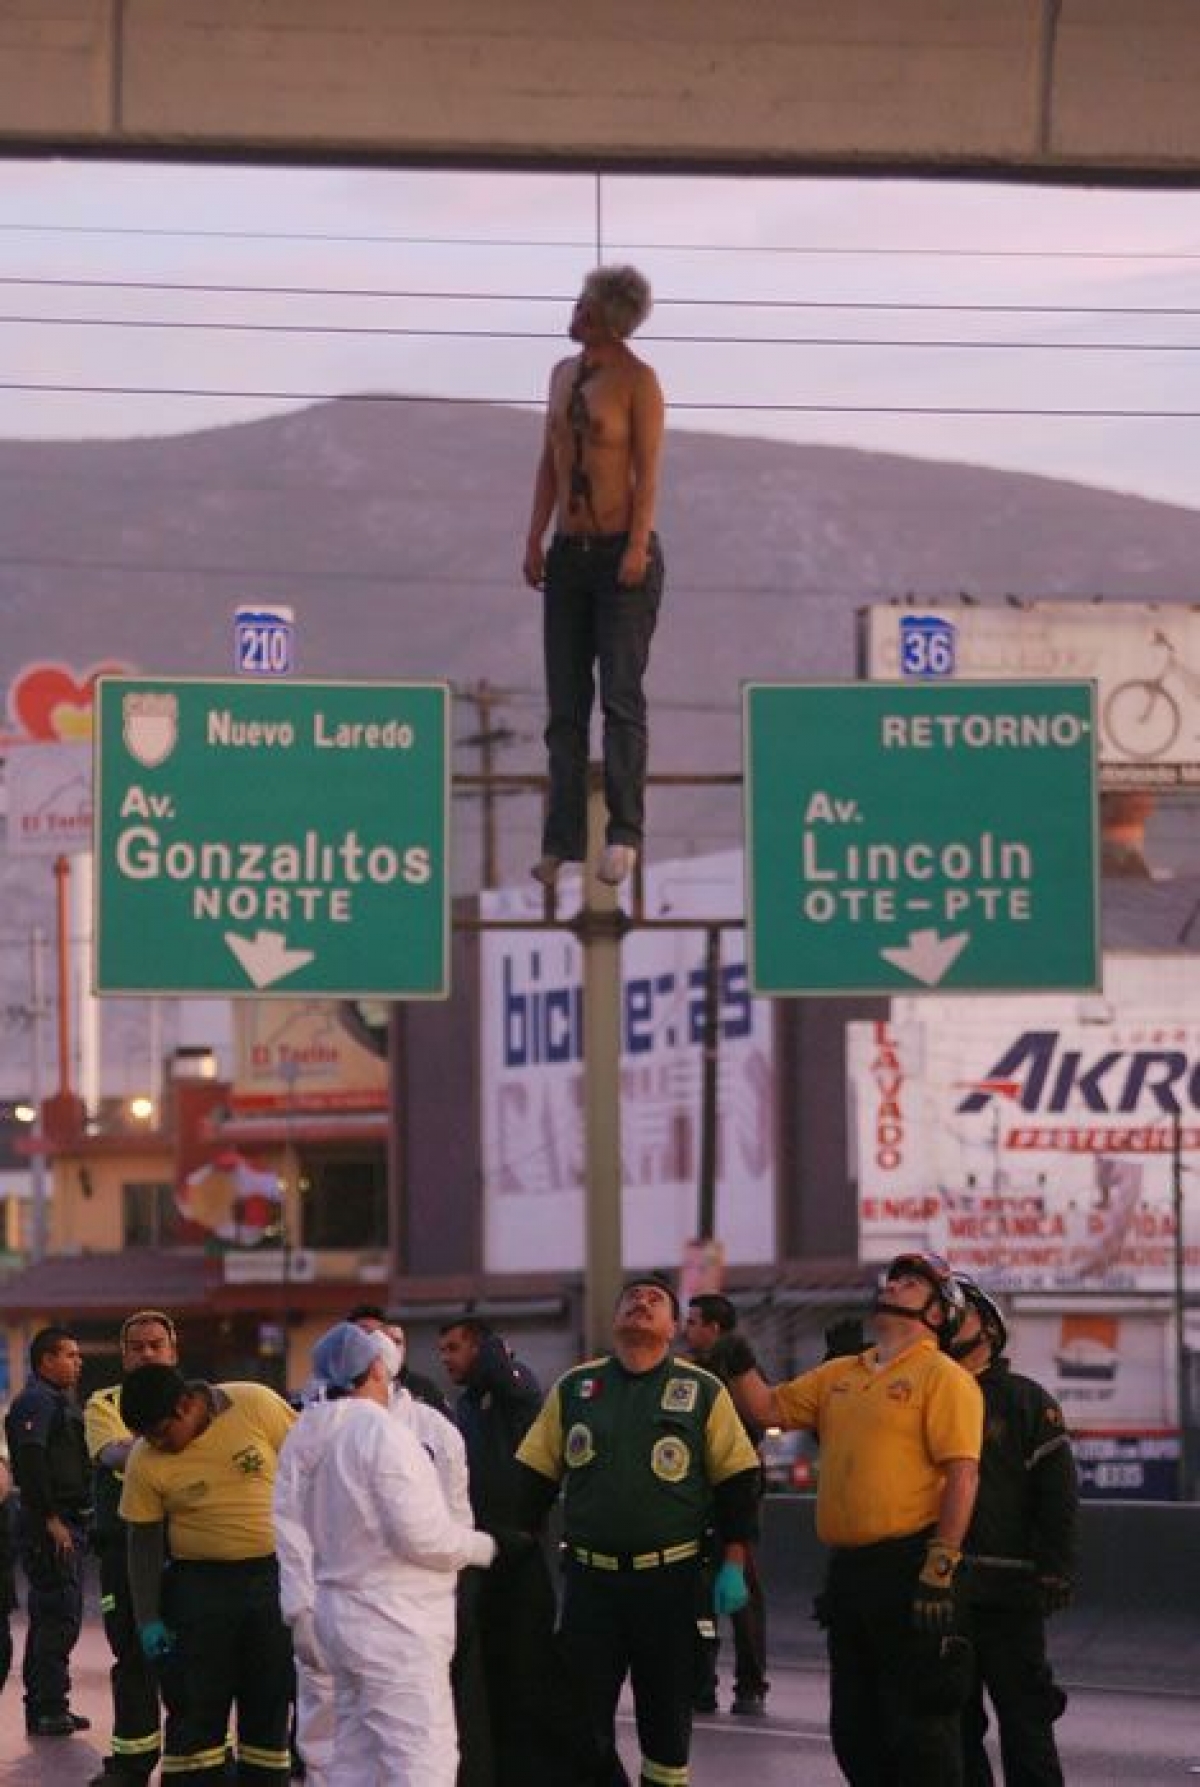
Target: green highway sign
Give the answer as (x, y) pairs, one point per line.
(272, 838)
(909, 836)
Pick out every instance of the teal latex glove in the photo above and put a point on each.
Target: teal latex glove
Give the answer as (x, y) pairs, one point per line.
(730, 1593)
(158, 1640)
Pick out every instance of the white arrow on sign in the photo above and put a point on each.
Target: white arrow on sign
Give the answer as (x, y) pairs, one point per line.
(266, 956)
(926, 956)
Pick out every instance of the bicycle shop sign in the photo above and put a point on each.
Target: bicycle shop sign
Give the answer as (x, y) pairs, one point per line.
(1144, 658)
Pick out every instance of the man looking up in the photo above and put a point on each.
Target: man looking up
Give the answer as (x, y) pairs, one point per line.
(1020, 1555)
(650, 1455)
(147, 1338)
(50, 1464)
(602, 578)
(900, 1437)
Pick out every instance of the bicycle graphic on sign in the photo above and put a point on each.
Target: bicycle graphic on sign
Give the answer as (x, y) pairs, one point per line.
(1141, 716)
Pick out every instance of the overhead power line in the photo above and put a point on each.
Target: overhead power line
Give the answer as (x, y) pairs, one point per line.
(560, 300)
(815, 250)
(400, 331)
(695, 407)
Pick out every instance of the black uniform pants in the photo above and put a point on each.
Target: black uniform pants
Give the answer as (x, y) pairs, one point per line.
(1012, 1667)
(590, 621)
(471, 1713)
(232, 1652)
(135, 1733)
(749, 1639)
(640, 1624)
(55, 1608)
(887, 1725)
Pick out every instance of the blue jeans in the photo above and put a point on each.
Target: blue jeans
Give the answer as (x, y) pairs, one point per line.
(594, 623)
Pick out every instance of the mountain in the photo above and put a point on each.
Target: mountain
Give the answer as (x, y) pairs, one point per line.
(395, 531)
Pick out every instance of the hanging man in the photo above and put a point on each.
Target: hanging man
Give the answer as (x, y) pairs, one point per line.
(602, 576)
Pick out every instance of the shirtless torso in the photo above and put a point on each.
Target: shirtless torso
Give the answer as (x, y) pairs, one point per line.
(599, 468)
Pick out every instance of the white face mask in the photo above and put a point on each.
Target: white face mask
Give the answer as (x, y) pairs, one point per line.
(390, 1352)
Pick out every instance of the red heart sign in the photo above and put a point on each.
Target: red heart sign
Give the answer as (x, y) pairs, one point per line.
(49, 701)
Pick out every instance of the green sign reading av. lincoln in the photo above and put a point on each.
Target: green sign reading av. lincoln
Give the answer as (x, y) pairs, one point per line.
(903, 837)
(272, 838)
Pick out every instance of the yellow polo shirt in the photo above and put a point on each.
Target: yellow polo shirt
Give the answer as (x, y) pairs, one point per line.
(215, 1495)
(886, 1431)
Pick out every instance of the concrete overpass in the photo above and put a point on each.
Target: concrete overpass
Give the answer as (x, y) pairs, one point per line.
(1044, 89)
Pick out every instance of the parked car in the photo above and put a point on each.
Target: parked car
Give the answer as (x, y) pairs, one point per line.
(789, 1460)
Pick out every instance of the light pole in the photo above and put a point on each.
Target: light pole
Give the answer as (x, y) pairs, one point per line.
(1179, 1297)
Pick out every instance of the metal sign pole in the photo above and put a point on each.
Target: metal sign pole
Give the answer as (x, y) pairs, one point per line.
(600, 927)
(39, 1212)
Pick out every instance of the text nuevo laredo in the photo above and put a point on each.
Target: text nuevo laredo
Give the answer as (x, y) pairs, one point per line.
(326, 734)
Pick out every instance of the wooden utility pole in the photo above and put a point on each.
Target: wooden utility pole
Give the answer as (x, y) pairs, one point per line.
(486, 739)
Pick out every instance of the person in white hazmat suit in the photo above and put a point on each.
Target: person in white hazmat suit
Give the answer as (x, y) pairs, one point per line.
(444, 1445)
(369, 1554)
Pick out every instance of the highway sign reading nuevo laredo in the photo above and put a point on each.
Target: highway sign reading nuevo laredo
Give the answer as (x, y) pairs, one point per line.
(271, 838)
(905, 836)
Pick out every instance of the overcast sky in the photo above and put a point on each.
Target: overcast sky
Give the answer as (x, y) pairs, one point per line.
(769, 296)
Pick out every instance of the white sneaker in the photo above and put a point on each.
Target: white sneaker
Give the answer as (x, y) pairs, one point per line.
(616, 864)
(545, 870)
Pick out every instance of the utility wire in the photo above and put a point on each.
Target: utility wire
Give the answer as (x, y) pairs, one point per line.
(394, 295)
(815, 250)
(367, 331)
(290, 575)
(1042, 412)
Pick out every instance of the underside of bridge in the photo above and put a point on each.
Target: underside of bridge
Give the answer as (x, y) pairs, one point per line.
(1099, 90)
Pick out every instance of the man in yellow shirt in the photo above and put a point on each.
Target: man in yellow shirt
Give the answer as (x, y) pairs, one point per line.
(900, 1441)
(147, 1338)
(206, 1467)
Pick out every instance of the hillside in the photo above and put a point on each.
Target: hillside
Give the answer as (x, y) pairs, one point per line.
(395, 532)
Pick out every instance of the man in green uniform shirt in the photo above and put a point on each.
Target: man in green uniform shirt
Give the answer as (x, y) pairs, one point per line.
(649, 1453)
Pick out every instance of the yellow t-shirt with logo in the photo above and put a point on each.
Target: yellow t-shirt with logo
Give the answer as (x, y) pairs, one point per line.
(215, 1495)
(886, 1431)
(102, 1423)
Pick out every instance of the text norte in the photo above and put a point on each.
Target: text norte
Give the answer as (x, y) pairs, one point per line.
(1037, 1073)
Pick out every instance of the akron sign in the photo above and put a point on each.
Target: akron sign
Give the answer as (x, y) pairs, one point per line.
(272, 838)
(905, 837)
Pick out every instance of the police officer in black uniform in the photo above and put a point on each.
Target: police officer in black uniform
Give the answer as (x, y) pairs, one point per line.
(44, 1428)
(505, 1614)
(1019, 1555)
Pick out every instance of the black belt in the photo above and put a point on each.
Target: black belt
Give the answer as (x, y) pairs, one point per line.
(590, 542)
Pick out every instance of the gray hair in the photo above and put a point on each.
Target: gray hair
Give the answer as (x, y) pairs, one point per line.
(622, 295)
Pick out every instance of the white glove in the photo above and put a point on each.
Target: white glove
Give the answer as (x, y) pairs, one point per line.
(304, 1642)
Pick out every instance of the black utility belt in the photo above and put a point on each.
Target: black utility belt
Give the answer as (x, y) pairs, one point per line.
(633, 1560)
